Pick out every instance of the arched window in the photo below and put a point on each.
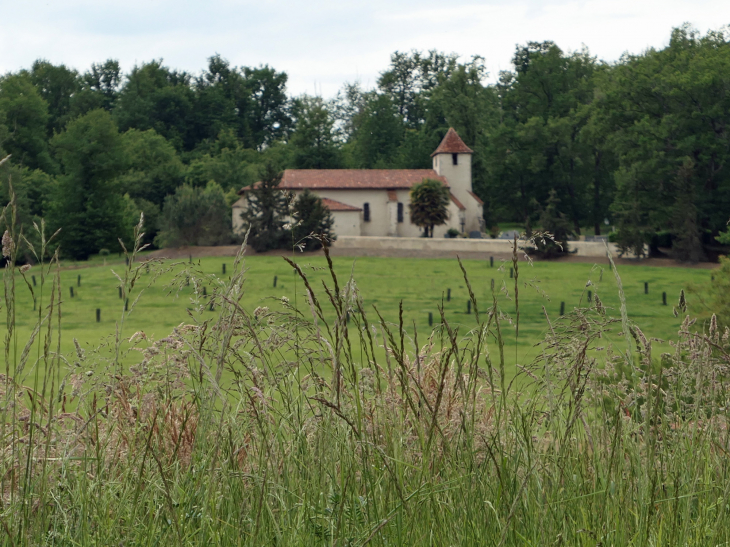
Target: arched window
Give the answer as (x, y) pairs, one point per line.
(366, 212)
(400, 212)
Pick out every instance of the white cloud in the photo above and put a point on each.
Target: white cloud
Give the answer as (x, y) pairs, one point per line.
(324, 43)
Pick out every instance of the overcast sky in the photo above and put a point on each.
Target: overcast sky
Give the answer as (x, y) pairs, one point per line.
(322, 44)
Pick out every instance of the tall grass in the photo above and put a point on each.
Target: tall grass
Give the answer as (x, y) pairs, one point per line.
(317, 441)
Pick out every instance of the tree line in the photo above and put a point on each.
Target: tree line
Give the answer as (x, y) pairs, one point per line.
(638, 148)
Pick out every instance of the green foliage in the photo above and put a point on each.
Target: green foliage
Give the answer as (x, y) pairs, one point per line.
(195, 216)
(313, 141)
(429, 205)
(311, 217)
(87, 203)
(719, 293)
(25, 116)
(557, 225)
(266, 212)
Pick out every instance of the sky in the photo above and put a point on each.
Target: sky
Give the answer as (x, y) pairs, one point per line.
(323, 44)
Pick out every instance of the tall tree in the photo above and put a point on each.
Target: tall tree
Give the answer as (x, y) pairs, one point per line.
(25, 115)
(310, 217)
(313, 139)
(57, 84)
(87, 203)
(266, 213)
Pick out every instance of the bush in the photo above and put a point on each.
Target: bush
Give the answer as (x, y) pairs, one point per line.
(452, 233)
(195, 216)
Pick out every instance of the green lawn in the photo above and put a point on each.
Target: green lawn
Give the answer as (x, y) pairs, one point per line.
(420, 283)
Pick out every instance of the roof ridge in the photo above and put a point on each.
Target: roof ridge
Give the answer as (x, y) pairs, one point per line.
(452, 144)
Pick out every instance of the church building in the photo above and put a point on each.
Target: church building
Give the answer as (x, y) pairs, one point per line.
(374, 202)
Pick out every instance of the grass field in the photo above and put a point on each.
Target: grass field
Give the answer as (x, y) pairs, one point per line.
(219, 437)
(421, 284)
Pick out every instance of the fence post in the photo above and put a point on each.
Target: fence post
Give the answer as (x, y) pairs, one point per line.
(491, 262)
(448, 295)
(78, 281)
(562, 308)
(468, 307)
(224, 269)
(664, 299)
(71, 290)
(98, 315)
(275, 281)
(646, 287)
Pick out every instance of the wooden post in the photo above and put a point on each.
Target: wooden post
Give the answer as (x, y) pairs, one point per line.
(120, 293)
(224, 269)
(205, 291)
(468, 307)
(71, 290)
(491, 262)
(562, 308)
(126, 304)
(275, 281)
(33, 278)
(448, 295)
(590, 298)
(664, 299)
(646, 287)
(430, 319)
(211, 308)
(98, 315)
(34, 303)
(78, 281)
(511, 273)
(492, 285)
(126, 260)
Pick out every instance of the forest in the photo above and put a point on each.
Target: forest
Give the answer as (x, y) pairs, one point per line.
(637, 149)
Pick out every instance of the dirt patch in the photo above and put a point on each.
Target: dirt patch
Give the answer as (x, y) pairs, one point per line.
(232, 250)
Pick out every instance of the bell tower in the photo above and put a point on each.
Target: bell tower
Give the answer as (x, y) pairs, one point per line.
(452, 160)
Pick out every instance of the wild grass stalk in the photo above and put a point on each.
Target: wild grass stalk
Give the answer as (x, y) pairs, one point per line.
(316, 442)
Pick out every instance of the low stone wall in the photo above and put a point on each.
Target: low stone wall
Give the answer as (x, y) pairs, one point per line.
(495, 246)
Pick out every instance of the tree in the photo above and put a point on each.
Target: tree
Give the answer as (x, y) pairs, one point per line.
(87, 203)
(429, 205)
(195, 216)
(25, 115)
(265, 215)
(557, 226)
(57, 84)
(311, 217)
(155, 97)
(313, 139)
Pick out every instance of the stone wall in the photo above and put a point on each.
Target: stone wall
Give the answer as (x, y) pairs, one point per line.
(496, 246)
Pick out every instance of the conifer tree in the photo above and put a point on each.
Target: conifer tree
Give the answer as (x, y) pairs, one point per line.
(311, 217)
(266, 213)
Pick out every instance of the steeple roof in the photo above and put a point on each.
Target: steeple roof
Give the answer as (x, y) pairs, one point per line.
(452, 144)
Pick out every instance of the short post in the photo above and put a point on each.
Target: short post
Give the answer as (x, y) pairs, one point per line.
(664, 299)
(590, 297)
(191, 258)
(275, 281)
(34, 303)
(468, 307)
(71, 290)
(224, 269)
(430, 319)
(126, 304)
(78, 281)
(491, 262)
(492, 285)
(33, 278)
(646, 287)
(98, 315)
(211, 308)
(187, 281)
(126, 260)
(511, 273)
(448, 295)
(205, 291)
(562, 308)
(120, 292)
(147, 268)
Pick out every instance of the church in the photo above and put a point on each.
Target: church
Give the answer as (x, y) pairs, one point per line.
(374, 202)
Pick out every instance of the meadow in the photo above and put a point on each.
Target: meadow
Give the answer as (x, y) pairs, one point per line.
(294, 415)
(166, 299)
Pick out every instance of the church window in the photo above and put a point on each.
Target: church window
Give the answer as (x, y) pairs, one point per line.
(455, 159)
(400, 212)
(366, 212)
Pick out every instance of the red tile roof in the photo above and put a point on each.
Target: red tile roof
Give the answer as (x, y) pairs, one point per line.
(479, 201)
(345, 179)
(458, 203)
(452, 144)
(333, 205)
